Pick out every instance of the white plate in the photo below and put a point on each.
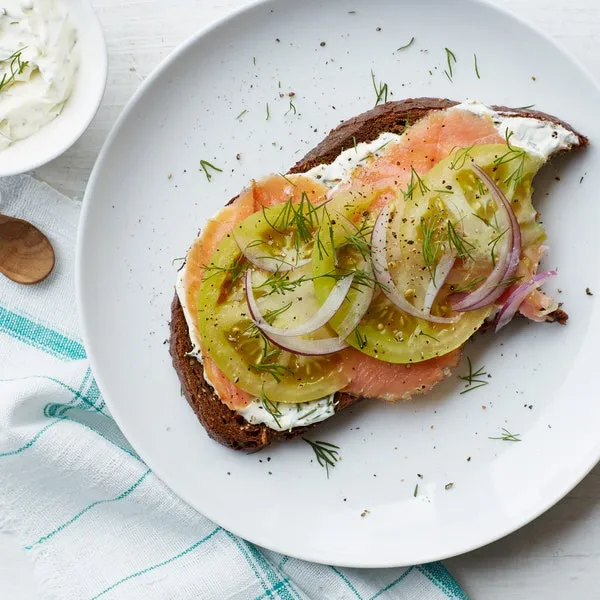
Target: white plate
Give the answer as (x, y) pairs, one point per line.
(59, 135)
(147, 198)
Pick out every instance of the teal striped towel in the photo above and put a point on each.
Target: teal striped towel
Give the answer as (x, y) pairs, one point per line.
(93, 518)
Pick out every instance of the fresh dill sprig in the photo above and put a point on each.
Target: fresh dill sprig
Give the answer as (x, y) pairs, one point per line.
(271, 407)
(287, 179)
(280, 283)
(507, 436)
(373, 153)
(493, 243)
(276, 370)
(461, 245)
(514, 153)
(270, 315)
(449, 58)
(242, 114)
(476, 66)
(17, 66)
(485, 221)
(358, 237)
(381, 90)
(473, 378)
(291, 108)
(326, 453)
(468, 286)
(427, 335)
(206, 165)
(460, 157)
(410, 43)
(430, 247)
(415, 183)
(235, 271)
(361, 339)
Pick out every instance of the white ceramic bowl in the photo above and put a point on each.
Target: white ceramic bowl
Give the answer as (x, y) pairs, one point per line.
(59, 135)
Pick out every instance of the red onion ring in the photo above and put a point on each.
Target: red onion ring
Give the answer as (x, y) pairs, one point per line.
(358, 309)
(272, 264)
(513, 302)
(441, 274)
(321, 317)
(308, 347)
(382, 272)
(508, 261)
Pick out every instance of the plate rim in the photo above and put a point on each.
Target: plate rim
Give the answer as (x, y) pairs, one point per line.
(123, 117)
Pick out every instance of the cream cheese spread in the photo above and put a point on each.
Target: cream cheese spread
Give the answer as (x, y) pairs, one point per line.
(39, 58)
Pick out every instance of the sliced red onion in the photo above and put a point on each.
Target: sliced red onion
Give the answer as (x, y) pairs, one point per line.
(509, 254)
(273, 264)
(308, 347)
(382, 271)
(359, 308)
(321, 317)
(513, 302)
(441, 274)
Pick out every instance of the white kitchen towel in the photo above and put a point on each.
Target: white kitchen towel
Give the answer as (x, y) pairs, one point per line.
(96, 522)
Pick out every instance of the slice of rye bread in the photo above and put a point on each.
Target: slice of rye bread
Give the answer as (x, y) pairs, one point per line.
(225, 425)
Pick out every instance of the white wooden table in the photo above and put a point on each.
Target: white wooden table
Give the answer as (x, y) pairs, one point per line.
(557, 556)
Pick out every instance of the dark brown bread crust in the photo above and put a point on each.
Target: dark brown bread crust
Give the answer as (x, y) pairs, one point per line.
(225, 425)
(395, 117)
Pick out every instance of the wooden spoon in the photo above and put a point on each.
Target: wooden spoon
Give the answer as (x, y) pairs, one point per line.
(26, 255)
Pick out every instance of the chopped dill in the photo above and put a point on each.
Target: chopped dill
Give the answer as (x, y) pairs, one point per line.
(416, 491)
(270, 315)
(408, 45)
(381, 90)
(17, 66)
(468, 285)
(460, 158)
(430, 247)
(326, 453)
(361, 340)
(450, 57)
(291, 108)
(493, 243)
(268, 113)
(280, 283)
(271, 407)
(525, 107)
(415, 182)
(354, 143)
(461, 245)
(428, 336)
(205, 165)
(242, 114)
(507, 436)
(287, 179)
(513, 154)
(276, 370)
(476, 67)
(485, 221)
(473, 378)
(358, 237)
(235, 271)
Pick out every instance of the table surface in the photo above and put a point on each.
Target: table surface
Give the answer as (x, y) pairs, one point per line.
(556, 556)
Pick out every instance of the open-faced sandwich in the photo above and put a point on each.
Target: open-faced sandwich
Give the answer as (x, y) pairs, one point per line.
(363, 271)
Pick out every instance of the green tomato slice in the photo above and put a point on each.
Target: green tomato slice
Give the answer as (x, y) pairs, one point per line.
(228, 334)
(448, 210)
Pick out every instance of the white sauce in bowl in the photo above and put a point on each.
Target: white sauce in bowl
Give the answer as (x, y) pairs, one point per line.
(39, 57)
